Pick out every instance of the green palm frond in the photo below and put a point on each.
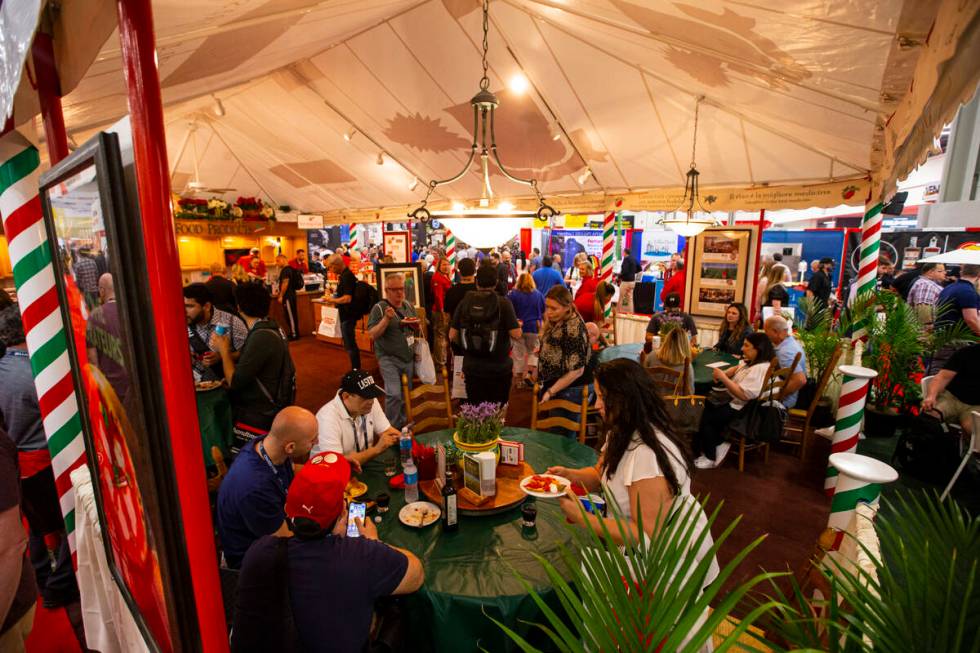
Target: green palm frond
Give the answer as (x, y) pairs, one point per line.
(924, 594)
(649, 595)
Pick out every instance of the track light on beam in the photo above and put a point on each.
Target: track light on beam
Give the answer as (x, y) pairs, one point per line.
(218, 108)
(584, 177)
(381, 159)
(412, 185)
(349, 134)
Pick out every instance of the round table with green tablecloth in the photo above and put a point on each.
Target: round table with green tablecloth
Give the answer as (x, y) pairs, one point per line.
(480, 569)
(702, 373)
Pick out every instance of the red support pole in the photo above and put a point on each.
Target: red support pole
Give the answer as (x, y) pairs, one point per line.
(49, 94)
(758, 259)
(153, 181)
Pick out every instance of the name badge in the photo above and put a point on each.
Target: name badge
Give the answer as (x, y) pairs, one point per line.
(410, 340)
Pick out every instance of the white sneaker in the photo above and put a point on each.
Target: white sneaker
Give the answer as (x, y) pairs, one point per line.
(702, 462)
(721, 451)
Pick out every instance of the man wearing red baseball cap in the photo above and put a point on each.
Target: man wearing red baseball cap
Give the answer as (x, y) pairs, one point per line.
(326, 581)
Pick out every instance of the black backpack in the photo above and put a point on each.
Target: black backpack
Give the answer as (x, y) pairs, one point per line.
(364, 298)
(285, 391)
(479, 323)
(928, 449)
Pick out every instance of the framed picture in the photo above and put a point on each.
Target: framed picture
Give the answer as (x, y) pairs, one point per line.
(396, 246)
(414, 289)
(718, 270)
(93, 227)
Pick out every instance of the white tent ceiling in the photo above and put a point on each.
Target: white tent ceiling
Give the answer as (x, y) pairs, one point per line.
(798, 91)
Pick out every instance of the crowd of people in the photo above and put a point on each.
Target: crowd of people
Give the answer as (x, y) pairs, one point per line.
(508, 322)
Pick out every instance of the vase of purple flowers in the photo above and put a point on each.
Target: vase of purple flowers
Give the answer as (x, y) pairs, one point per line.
(478, 427)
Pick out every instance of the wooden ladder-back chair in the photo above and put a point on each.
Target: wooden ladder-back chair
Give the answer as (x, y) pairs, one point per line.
(429, 406)
(780, 379)
(769, 387)
(543, 424)
(669, 381)
(800, 420)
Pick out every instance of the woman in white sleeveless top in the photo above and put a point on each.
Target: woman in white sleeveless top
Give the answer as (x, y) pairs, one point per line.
(644, 464)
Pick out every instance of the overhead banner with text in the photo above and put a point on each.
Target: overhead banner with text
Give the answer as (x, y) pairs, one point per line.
(771, 198)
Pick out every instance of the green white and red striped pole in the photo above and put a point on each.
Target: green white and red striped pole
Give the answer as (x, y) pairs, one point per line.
(352, 241)
(850, 416)
(860, 481)
(608, 252)
(868, 258)
(47, 344)
(451, 247)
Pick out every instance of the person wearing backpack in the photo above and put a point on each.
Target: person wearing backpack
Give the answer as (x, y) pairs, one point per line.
(482, 327)
(263, 380)
(348, 312)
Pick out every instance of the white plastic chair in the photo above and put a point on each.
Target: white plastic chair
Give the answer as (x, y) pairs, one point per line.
(973, 449)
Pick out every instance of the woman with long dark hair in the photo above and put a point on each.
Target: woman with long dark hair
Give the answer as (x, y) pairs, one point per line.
(743, 383)
(644, 464)
(734, 329)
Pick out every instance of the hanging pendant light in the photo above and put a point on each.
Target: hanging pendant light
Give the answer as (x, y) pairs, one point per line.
(484, 105)
(690, 218)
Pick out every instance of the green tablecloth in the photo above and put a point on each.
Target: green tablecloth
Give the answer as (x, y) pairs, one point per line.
(702, 373)
(630, 350)
(474, 571)
(214, 417)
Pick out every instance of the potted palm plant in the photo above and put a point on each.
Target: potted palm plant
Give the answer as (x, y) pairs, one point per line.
(923, 593)
(894, 350)
(648, 595)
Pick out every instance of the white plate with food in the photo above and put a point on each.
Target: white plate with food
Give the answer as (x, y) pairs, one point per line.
(419, 514)
(545, 486)
(204, 386)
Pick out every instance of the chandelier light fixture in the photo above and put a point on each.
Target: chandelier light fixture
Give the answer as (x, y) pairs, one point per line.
(685, 219)
(484, 105)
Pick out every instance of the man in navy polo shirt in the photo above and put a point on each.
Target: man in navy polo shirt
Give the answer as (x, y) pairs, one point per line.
(958, 302)
(252, 495)
(331, 576)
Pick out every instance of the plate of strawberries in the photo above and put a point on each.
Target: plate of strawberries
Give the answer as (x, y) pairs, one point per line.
(545, 486)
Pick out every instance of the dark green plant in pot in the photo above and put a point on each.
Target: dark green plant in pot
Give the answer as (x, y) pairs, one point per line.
(646, 596)
(923, 595)
(818, 337)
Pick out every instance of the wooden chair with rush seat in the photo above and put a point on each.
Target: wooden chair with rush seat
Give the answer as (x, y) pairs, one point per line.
(669, 381)
(539, 423)
(801, 420)
(774, 386)
(429, 405)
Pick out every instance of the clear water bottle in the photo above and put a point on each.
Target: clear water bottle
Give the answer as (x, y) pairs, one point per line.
(411, 481)
(405, 445)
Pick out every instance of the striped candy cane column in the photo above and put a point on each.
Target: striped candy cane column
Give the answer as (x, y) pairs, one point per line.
(850, 414)
(860, 481)
(30, 255)
(451, 247)
(868, 264)
(352, 244)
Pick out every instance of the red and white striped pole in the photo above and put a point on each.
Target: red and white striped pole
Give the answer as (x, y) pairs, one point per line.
(352, 244)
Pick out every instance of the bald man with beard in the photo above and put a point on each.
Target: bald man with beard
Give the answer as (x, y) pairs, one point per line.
(252, 498)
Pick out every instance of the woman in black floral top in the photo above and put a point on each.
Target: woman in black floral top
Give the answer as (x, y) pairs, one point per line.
(564, 349)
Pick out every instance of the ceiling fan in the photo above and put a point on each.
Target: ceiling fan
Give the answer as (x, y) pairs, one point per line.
(194, 185)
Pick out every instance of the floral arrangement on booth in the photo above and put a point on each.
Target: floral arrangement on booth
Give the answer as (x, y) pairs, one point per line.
(247, 208)
(478, 425)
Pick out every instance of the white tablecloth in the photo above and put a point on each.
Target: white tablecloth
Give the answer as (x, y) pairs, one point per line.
(109, 625)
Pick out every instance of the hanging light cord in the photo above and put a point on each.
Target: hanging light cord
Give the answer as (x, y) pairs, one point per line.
(694, 146)
(485, 80)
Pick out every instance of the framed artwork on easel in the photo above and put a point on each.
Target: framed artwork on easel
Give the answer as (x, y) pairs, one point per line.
(396, 246)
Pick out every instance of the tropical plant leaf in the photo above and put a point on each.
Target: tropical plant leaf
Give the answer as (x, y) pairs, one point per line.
(651, 593)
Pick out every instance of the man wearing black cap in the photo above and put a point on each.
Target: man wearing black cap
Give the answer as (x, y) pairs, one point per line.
(482, 328)
(353, 423)
(820, 286)
(672, 313)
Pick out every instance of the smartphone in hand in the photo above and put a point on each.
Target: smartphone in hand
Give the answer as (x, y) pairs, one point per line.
(355, 511)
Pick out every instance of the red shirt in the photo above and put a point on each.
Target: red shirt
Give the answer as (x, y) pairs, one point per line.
(302, 266)
(675, 283)
(440, 284)
(246, 263)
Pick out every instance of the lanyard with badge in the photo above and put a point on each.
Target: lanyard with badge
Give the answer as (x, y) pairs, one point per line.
(268, 461)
